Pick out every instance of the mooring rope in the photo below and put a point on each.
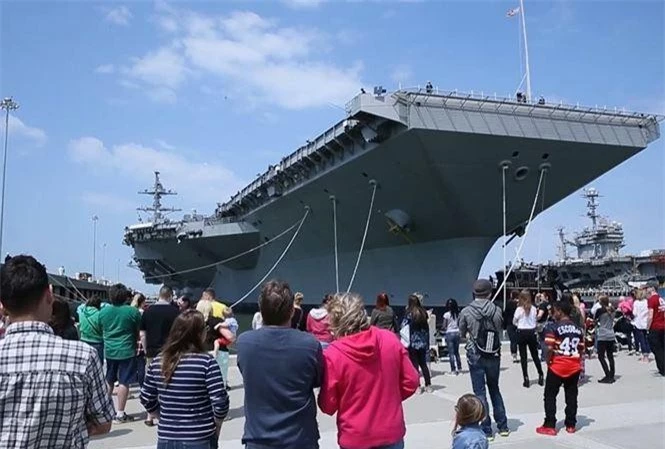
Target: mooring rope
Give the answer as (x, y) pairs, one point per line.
(505, 237)
(286, 250)
(526, 232)
(334, 208)
(374, 185)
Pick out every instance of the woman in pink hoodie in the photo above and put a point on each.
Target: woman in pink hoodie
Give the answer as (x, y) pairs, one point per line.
(318, 323)
(367, 373)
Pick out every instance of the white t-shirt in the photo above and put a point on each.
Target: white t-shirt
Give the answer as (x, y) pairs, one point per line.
(451, 323)
(640, 314)
(524, 321)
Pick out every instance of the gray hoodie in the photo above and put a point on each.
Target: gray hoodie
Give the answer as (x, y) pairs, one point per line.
(469, 321)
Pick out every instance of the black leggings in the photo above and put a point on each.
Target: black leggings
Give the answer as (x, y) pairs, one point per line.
(606, 348)
(419, 358)
(527, 338)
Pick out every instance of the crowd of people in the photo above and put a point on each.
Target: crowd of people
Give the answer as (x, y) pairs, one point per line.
(57, 391)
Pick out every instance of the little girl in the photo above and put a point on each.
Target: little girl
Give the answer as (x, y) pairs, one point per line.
(467, 434)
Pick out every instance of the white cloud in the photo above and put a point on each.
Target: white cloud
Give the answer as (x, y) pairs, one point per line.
(120, 15)
(200, 183)
(252, 56)
(19, 130)
(271, 63)
(107, 201)
(105, 68)
(164, 67)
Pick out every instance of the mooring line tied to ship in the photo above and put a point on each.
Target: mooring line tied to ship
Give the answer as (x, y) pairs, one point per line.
(286, 250)
(374, 186)
(543, 171)
(334, 211)
(244, 253)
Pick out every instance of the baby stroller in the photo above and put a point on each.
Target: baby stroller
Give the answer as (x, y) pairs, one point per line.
(623, 331)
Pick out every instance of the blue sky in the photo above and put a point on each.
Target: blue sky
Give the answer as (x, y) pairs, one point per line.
(211, 93)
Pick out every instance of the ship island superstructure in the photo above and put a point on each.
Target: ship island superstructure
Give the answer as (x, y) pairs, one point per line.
(598, 266)
(431, 165)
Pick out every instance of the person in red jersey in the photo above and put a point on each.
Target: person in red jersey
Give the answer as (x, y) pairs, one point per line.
(565, 341)
(656, 326)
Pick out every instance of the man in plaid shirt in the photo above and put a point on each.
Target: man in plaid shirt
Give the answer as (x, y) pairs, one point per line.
(52, 391)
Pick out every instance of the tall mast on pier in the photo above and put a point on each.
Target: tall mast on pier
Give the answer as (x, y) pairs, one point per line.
(157, 192)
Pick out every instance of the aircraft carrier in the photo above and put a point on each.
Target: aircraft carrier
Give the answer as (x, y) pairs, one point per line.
(411, 181)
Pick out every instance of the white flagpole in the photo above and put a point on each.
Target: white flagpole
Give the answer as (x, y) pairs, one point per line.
(526, 53)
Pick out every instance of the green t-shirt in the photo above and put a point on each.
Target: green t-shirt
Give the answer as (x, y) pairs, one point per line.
(120, 325)
(89, 327)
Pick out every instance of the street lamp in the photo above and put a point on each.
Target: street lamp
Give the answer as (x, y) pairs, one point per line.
(103, 261)
(95, 218)
(8, 104)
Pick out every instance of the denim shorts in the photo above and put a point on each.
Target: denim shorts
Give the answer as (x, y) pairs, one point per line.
(123, 371)
(209, 443)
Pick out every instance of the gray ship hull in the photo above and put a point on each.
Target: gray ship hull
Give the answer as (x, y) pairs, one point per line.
(442, 170)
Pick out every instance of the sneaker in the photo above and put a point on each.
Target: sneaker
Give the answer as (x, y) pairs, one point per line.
(570, 429)
(504, 433)
(123, 419)
(490, 438)
(550, 431)
(605, 380)
(526, 383)
(457, 373)
(631, 352)
(428, 389)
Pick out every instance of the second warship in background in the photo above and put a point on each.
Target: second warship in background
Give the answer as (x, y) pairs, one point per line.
(599, 266)
(403, 194)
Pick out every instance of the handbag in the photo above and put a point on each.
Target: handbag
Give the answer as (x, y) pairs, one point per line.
(405, 335)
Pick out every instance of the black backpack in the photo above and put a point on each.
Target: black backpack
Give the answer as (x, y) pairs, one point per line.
(488, 340)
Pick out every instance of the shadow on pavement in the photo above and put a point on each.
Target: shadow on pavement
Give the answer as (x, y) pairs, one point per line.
(238, 412)
(584, 421)
(514, 424)
(113, 433)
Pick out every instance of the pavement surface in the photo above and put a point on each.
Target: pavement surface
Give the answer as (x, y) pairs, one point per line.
(629, 414)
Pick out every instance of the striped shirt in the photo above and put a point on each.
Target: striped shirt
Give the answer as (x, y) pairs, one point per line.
(189, 404)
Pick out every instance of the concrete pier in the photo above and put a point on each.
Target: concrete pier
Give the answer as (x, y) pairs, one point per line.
(629, 414)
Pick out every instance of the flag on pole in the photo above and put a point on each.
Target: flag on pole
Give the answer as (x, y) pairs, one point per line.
(513, 12)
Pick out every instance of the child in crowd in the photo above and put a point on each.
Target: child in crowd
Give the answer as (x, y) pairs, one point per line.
(565, 341)
(229, 323)
(467, 434)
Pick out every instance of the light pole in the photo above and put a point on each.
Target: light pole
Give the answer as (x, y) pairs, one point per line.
(8, 104)
(95, 218)
(103, 261)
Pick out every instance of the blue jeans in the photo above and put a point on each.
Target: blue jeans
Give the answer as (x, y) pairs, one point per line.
(140, 369)
(641, 341)
(99, 347)
(398, 445)
(210, 443)
(485, 371)
(452, 343)
(223, 362)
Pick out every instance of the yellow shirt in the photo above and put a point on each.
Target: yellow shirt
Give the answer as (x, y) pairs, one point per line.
(218, 309)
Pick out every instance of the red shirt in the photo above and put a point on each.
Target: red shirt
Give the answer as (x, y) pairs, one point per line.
(657, 304)
(566, 342)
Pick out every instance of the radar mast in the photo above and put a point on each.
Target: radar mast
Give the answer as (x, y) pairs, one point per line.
(157, 192)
